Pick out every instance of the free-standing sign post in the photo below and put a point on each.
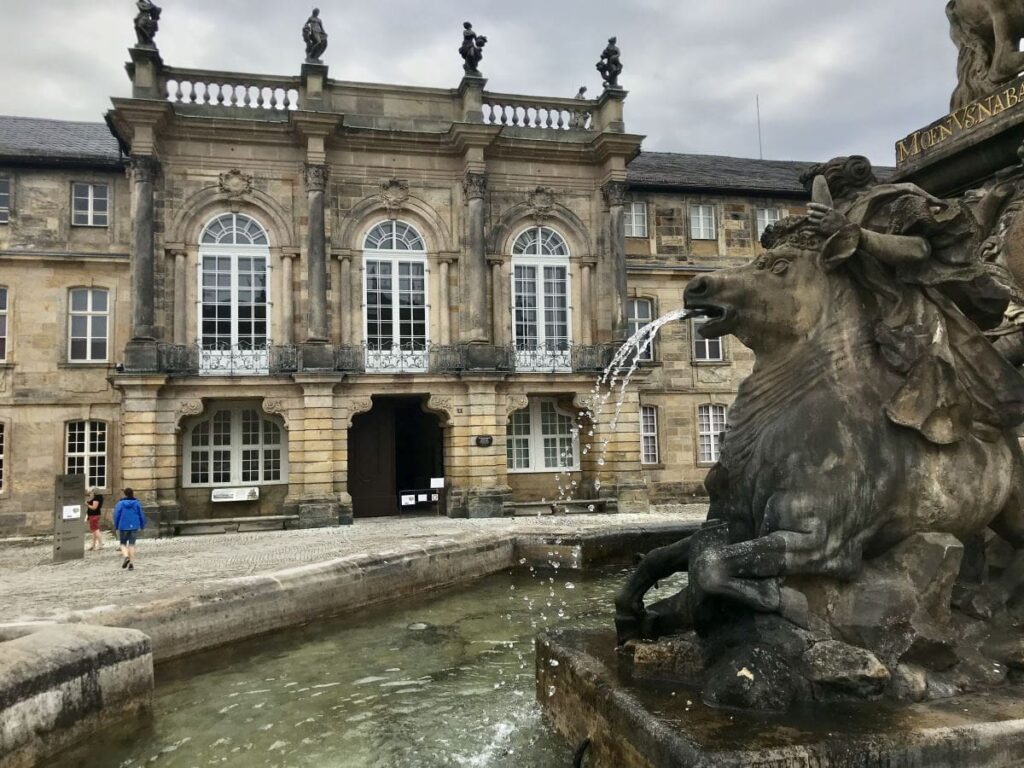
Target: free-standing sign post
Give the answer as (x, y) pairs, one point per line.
(69, 518)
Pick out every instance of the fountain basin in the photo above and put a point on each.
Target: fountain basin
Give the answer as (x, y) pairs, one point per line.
(585, 695)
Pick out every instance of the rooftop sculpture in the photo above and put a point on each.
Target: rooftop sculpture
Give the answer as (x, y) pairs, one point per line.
(988, 35)
(471, 50)
(146, 23)
(874, 436)
(610, 65)
(315, 37)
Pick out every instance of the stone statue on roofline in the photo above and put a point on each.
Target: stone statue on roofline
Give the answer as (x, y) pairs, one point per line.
(146, 23)
(315, 37)
(610, 65)
(471, 50)
(988, 34)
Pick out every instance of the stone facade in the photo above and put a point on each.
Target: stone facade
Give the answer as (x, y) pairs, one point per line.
(317, 165)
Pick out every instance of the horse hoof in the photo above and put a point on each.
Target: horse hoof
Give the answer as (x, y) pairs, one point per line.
(628, 627)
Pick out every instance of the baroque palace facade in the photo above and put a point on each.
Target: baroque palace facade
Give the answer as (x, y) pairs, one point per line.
(309, 297)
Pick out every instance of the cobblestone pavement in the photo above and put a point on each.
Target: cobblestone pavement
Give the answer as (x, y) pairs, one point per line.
(36, 588)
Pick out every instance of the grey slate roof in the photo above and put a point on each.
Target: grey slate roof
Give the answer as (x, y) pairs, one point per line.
(36, 140)
(716, 172)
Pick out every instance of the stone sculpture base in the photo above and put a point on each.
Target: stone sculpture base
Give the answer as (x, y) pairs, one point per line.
(586, 692)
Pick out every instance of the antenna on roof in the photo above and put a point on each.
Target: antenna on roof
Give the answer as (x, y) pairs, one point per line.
(760, 144)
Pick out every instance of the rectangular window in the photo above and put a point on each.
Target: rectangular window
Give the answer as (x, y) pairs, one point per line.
(640, 312)
(710, 426)
(765, 218)
(705, 350)
(5, 201)
(396, 314)
(540, 316)
(702, 222)
(3, 457)
(3, 325)
(90, 205)
(541, 438)
(636, 219)
(88, 314)
(648, 435)
(517, 441)
(86, 451)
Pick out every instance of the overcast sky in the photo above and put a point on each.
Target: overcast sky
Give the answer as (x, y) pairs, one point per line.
(834, 77)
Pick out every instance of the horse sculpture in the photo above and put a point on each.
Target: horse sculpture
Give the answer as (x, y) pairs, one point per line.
(987, 34)
(815, 477)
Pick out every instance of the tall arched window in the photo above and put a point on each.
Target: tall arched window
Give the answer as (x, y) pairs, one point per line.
(236, 444)
(234, 296)
(540, 300)
(395, 293)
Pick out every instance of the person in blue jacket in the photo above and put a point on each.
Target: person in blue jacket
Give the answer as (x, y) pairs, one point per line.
(128, 520)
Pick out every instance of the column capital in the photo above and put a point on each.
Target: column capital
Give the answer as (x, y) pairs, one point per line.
(614, 193)
(474, 184)
(144, 167)
(315, 176)
(289, 253)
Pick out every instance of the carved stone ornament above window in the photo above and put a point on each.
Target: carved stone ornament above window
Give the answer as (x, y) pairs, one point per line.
(235, 184)
(393, 194)
(541, 201)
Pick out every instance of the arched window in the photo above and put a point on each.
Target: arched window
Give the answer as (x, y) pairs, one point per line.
(540, 300)
(236, 445)
(395, 293)
(234, 291)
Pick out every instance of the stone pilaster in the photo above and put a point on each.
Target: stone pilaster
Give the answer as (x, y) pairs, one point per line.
(475, 321)
(141, 353)
(586, 304)
(497, 302)
(287, 298)
(615, 197)
(180, 309)
(345, 301)
(316, 353)
(445, 309)
(477, 470)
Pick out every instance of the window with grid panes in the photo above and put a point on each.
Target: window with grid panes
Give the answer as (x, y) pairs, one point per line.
(541, 438)
(705, 350)
(640, 312)
(540, 299)
(236, 445)
(765, 218)
(3, 456)
(90, 205)
(3, 324)
(636, 219)
(710, 426)
(85, 451)
(649, 435)
(702, 222)
(88, 325)
(5, 200)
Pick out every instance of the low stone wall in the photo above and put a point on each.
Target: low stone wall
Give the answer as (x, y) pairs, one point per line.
(61, 683)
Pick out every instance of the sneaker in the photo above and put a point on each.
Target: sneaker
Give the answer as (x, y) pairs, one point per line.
(126, 563)
(131, 566)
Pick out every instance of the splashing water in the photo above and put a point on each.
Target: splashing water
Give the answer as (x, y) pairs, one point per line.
(618, 373)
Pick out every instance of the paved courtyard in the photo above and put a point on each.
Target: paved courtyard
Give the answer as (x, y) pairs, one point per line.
(36, 588)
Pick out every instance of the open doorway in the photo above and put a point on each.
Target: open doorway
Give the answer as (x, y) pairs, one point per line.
(395, 447)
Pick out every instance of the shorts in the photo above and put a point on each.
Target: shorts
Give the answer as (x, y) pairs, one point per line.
(128, 538)
(94, 523)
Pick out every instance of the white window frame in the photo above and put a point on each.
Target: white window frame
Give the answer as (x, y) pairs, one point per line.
(5, 199)
(94, 459)
(554, 353)
(235, 447)
(413, 356)
(5, 323)
(234, 357)
(650, 451)
(706, 350)
(4, 440)
(711, 423)
(636, 219)
(703, 225)
(83, 191)
(634, 323)
(765, 220)
(535, 439)
(90, 314)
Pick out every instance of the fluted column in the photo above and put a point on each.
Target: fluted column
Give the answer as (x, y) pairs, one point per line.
(475, 321)
(180, 300)
(615, 197)
(586, 309)
(287, 301)
(316, 254)
(140, 354)
(445, 308)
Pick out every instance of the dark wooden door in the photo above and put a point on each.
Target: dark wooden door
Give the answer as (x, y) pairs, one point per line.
(371, 463)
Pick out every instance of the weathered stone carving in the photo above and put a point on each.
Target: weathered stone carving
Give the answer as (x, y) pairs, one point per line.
(471, 50)
(143, 168)
(517, 401)
(315, 38)
(147, 23)
(235, 184)
(441, 406)
(315, 176)
(186, 409)
(540, 202)
(614, 193)
(877, 429)
(610, 65)
(356, 407)
(276, 407)
(988, 35)
(474, 185)
(393, 193)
